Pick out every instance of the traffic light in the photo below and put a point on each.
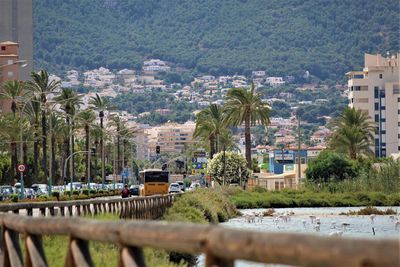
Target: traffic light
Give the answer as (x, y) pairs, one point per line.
(158, 149)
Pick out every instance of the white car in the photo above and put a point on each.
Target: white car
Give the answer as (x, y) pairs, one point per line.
(194, 186)
(174, 188)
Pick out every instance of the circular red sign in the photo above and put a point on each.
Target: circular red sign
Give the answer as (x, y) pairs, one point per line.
(21, 167)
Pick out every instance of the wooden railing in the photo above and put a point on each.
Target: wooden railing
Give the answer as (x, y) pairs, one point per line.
(152, 207)
(221, 246)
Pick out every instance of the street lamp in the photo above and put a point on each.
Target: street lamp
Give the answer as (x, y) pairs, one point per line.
(22, 63)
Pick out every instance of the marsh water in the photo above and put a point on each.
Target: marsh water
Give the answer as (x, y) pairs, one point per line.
(359, 226)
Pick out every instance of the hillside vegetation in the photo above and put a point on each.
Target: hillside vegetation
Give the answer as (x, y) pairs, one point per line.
(327, 38)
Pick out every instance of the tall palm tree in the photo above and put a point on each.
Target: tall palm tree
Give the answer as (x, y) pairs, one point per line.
(57, 133)
(100, 104)
(209, 123)
(245, 106)
(11, 129)
(42, 86)
(32, 111)
(354, 133)
(85, 119)
(69, 101)
(117, 123)
(12, 90)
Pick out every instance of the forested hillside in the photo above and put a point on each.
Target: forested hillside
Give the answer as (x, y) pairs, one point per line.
(283, 37)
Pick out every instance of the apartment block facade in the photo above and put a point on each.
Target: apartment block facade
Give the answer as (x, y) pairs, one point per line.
(16, 26)
(8, 71)
(375, 90)
(171, 137)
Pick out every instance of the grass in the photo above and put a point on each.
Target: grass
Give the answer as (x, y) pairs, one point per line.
(308, 198)
(103, 254)
(202, 206)
(370, 211)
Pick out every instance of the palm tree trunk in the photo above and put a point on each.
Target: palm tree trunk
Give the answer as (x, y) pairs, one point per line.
(72, 149)
(118, 152)
(247, 139)
(87, 154)
(224, 168)
(25, 160)
(212, 146)
(103, 176)
(14, 161)
(61, 161)
(36, 154)
(67, 147)
(44, 143)
(53, 157)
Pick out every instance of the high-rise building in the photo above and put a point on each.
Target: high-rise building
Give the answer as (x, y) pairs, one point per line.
(8, 69)
(16, 26)
(375, 90)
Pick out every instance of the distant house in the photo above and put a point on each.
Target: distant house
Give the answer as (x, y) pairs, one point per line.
(258, 73)
(275, 81)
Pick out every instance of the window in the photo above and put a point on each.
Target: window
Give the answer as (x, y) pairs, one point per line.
(376, 142)
(380, 75)
(3, 48)
(357, 88)
(376, 106)
(383, 132)
(282, 185)
(376, 130)
(376, 118)
(276, 185)
(398, 99)
(383, 108)
(376, 91)
(10, 74)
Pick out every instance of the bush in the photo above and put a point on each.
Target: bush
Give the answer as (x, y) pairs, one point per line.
(56, 194)
(75, 192)
(14, 198)
(329, 167)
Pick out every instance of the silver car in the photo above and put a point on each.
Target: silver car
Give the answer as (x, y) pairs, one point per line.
(174, 188)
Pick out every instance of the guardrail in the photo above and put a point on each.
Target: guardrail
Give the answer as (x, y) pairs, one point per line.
(152, 207)
(221, 246)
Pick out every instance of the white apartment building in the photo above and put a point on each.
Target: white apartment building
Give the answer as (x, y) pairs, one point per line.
(375, 90)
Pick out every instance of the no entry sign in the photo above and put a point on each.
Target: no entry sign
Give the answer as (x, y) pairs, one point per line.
(21, 167)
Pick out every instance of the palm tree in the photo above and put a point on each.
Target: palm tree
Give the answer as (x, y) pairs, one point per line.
(12, 90)
(43, 86)
(69, 101)
(209, 123)
(354, 133)
(100, 104)
(32, 110)
(117, 122)
(11, 129)
(243, 105)
(57, 131)
(85, 119)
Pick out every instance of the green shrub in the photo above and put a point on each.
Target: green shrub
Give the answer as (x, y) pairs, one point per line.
(14, 198)
(75, 192)
(56, 194)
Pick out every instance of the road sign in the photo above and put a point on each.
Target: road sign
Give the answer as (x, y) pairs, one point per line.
(199, 154)
(21, 167)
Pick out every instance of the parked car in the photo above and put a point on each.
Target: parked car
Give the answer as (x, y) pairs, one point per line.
(41, 189)
(174, 188)
(29, 193)
(181, 185)
(5, 192)
(134, 190)
(194, 186)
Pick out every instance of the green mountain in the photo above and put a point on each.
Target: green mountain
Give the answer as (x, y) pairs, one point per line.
(283, 37)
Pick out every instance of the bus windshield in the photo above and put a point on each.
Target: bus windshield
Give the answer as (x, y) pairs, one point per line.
(156, 177)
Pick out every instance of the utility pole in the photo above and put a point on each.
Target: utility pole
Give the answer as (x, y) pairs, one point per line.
(298, 149)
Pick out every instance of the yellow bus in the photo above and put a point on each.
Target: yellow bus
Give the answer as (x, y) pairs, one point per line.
(153, 182)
